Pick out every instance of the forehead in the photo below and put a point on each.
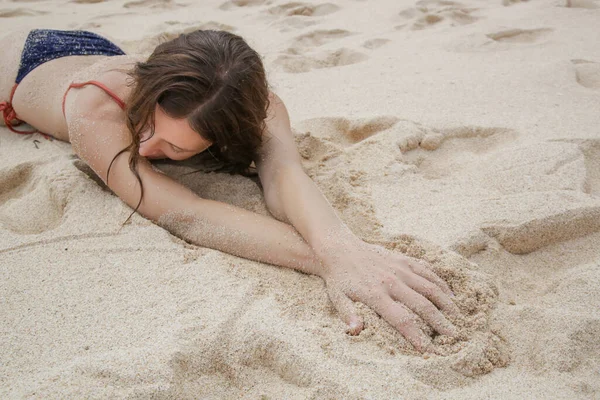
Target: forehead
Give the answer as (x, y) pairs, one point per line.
(176, 131)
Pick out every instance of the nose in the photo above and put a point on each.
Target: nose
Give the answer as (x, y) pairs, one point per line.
(146, 151)
(148, 146)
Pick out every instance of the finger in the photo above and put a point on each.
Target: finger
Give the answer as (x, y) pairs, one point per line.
(433, 293)
(403, 321)
(421, 269)
(422, 307)
(346, 309)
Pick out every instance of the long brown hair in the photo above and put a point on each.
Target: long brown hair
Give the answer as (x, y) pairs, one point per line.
(216, 81)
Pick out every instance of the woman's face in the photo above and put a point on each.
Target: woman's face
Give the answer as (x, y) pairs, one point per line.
(173, 138)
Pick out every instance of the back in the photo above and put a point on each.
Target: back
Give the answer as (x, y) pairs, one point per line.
(40, 64)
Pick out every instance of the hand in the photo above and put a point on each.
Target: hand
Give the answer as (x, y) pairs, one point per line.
(392, 284)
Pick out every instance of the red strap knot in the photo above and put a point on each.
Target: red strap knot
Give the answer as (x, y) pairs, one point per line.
(9, 114)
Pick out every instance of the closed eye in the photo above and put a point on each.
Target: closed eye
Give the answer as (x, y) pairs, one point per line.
(178, 149)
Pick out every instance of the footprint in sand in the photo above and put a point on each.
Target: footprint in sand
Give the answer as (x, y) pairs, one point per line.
(87, 1)
(501, 40)
(372, 44)
(21, 12)
(298, 63)
(441, 153)
(474, 153)
(295, 59)
(305, 42)
(27, 202)
(507, 3)
(588, 4)
(317, 38)
(519, 35)
(587, 73)
(304, 9)
(232, 4)
(11, 181)
(451, 146)
(109, 17)
(294, 15)
(345, 132)
(154, 4)
(428, 13)
(590, 148)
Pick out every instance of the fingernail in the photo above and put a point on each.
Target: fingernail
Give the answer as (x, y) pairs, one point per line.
(353, 327)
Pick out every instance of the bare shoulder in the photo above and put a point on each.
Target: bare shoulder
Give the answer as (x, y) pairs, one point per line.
(95, 121)
(278, 141)
(95, 99)
(92, 87)
(278, 146)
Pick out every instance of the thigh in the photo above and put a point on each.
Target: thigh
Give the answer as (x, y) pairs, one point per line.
(12, 46)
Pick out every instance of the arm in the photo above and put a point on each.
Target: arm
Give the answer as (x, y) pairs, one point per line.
(291, 196)
(98, 132)
(352, 269)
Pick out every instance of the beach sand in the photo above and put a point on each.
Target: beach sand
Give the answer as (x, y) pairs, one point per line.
(464, 133)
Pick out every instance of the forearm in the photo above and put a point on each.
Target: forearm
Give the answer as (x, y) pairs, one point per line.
(290, 194)
(302, 204)
(242, 233)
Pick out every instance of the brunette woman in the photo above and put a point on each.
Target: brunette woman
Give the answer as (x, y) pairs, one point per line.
(207, 91)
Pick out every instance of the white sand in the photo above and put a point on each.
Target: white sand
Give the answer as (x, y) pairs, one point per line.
(465, 133)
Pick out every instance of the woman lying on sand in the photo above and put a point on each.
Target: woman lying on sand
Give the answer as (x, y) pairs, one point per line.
(207, 90)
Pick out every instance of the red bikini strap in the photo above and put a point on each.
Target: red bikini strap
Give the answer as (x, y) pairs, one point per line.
(109, 92)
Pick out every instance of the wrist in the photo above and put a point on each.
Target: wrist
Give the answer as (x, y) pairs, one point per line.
(334, 241)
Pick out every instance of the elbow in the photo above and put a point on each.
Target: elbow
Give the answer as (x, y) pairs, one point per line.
(274, 205)
(274, 191)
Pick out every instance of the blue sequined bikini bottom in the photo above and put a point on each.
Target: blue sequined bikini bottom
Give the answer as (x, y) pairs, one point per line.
(43, 45)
